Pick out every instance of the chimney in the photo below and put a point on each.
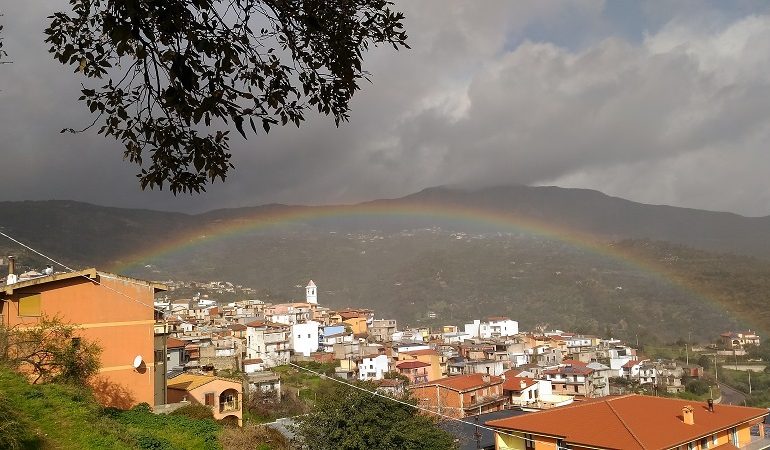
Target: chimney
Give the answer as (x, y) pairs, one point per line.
(523, 384)
(12, 277)
(688, 416)
(485, 378)
(711, 404)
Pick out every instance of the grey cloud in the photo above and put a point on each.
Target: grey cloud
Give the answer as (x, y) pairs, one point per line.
(670, 118)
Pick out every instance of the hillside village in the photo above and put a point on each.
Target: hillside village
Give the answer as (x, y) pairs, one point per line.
(169, 353)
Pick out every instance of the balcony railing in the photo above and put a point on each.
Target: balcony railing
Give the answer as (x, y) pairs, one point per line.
(232, 405)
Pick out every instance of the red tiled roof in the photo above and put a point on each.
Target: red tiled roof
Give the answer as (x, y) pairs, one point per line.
(389, 382)
(175, 343)
(412, 364)
(237, 327)
(421, 352)
(515, 383)
(513, 373)
(630, 422)
(631, 363)
(464, 382)
(573, 362)
(262, 323)
(569, 370)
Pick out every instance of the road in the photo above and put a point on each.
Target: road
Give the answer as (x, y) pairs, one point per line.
(732, 396)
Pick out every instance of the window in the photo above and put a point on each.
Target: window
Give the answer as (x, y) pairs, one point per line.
(308, 335)
(29, 305)
(704, 442)
(561, 445)
(734, 437)
(529, 442)
(209, 399)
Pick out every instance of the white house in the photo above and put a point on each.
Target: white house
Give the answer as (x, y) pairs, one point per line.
(304, 337)
(269, 342)
(493, 327)
(373, 367)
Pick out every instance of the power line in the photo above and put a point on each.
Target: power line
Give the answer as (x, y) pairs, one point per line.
(335, 379)
(71, 270)
(387, 397)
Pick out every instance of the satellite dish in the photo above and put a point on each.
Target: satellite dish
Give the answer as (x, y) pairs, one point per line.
(138, 361)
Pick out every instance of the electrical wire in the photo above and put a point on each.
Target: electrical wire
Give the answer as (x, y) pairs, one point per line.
(335, 379)
(71, 270)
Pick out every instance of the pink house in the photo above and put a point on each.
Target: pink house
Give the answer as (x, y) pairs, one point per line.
(416, 371)
(223, 396)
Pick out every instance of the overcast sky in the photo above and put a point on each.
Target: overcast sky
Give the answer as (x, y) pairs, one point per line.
(659, 102)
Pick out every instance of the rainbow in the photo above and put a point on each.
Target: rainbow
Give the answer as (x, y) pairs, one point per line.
(272, 216)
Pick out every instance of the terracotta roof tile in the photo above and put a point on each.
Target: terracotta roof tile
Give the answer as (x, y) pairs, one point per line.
(175, 343)
(189, 381)
(518, 383)
(630, 422)
(412, 364)
(420, 352)
(464, 382)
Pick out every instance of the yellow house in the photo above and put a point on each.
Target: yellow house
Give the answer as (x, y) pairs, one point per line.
(437, 362)
(357, 324)
(633, 422)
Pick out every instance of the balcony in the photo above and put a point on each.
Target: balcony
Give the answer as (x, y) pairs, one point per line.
(228, 401)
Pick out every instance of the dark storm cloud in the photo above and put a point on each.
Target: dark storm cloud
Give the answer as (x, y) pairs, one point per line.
(663, 108)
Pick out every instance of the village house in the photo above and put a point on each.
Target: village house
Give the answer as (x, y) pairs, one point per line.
(269, 342)
(415, 371)
(437, 363)
(304, 337)
(373, 367)
(492, 327)
(739, 339)
(573, 379)
(113, 311)
(382, 329)
(223, 396)
(462, 395)
(521, 391)
(633, 422)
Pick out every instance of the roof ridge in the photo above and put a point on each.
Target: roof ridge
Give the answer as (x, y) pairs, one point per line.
(625, 425)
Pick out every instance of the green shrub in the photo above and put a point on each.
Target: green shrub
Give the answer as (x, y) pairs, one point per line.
(11, 431)
(194, 412)
(147, 442)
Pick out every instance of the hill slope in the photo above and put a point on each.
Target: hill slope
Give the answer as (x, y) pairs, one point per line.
(413, 256)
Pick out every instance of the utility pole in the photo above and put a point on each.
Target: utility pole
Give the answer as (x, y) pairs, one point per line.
(749, 371)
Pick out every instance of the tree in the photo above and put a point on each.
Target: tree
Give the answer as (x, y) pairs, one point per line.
(179, 71)
(49, 351)
(351, 419)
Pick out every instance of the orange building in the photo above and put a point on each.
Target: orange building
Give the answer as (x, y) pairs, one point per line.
(113, 311)
(634, 422)
(462, 395)
(436, 361)
(223, 396)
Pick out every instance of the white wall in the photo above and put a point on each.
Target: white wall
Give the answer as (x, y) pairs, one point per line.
(304, 337)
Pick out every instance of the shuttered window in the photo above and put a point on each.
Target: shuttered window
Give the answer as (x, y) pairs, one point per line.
(29, 305)
(209, 399)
